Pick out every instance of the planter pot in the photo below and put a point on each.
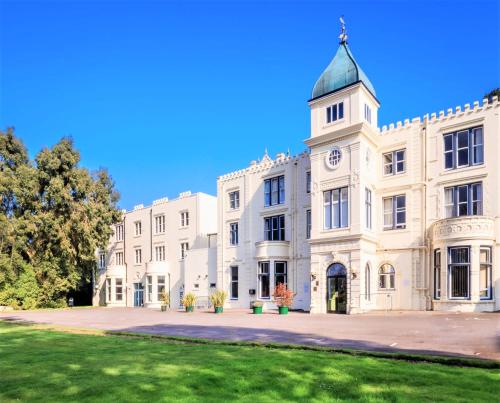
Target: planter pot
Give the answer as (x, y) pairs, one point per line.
(219, 309)
(257, 310)
(189, 308)
(283, 310)
(164, 308)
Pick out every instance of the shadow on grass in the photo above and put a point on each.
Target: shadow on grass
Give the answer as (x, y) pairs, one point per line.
(51, 366)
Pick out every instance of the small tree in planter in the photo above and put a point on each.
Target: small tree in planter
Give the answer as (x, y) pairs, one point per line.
(283, 297)
(257, 307)
(165, 300)
(188, 301)
(217, 299)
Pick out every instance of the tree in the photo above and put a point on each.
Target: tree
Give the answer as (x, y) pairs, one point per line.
(56, 215)
(494, 92)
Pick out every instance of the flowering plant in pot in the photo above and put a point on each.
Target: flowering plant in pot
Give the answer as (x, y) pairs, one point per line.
(188, 301)
(217, 299)
(165, 300)
(257, 307)
(283, 297)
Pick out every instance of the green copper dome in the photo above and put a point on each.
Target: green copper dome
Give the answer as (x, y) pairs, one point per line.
(341, 72)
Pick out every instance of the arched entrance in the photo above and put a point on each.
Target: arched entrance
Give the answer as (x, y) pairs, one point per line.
(336, 288)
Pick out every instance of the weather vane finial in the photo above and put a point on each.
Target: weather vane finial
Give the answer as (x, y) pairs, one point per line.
(343, 35)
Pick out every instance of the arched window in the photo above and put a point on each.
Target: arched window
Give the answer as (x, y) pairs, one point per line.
(336, 270)
(367, 282)
(386, 276)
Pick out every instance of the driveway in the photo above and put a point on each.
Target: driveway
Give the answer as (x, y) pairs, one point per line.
(464, 334)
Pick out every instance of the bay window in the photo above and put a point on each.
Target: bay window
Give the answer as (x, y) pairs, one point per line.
(264, 286)
(485, 273)
(459, 272)
(280, 273)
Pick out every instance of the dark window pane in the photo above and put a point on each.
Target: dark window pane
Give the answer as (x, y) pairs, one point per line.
(448, 142)
(463, 157)
(334, 112)
(448, 160)
(328, 115)
(341, 110)
(463, 139)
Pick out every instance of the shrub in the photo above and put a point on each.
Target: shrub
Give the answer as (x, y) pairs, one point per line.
(283, 296)
(165, 297)
(217, 298)
(189, 299)
(257, 304)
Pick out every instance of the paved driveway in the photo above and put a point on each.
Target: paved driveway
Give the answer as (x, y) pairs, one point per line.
(466, 334)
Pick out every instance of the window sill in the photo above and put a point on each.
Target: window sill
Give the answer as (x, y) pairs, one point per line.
(398, 175)
(334, 123)
(387, 289)
(466, 168)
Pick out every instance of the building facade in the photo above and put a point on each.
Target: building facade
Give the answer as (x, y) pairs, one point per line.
(170, 245)
(406, 216)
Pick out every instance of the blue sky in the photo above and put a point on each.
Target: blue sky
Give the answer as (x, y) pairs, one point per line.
(169, 95)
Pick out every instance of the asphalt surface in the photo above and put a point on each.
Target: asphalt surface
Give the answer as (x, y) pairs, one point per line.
(459, 334)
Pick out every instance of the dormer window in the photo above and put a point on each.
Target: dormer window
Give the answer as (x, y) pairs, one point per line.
(335, 112)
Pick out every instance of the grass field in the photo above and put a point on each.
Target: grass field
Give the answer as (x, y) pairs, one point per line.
(42, 365)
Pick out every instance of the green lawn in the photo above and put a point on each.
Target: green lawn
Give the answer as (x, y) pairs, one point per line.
(55, 366)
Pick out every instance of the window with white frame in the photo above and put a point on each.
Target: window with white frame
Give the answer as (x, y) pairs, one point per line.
(108, 290)
(395, 162)
(394, 212)
(368, 208)
(274, 228)
(308, 224)
(184, 219)
(119, 258)
(274, 191)
(234, 200)
(138, 228)
(280, 273)
(160, 286)
(160, 253)
(333, 157)
(264, 283)
(149, 287)
(485, 265)
(459, 272)
(368, 114)
(119, 232)
(386, 277)
(336, 208)
(233, 233)
(138, 256)
(463, 200)
(437, 274)
(159, 224)
(184, 249)
(463, 148)
(118, 289)
(308, 182)
(234, 282)
(102, 260)
(335, 112)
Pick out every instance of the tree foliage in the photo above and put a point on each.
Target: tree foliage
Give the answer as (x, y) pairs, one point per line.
(54, 215)
(494, 92)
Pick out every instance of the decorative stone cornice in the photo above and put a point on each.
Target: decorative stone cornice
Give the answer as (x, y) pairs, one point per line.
(457, 228)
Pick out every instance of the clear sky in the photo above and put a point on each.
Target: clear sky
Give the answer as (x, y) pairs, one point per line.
(169, 95)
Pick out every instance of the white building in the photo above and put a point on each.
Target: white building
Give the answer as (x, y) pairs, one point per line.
(169, 245)
(402, 217)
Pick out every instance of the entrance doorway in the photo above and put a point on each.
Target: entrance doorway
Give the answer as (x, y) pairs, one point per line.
(138, 294)
(336, 288)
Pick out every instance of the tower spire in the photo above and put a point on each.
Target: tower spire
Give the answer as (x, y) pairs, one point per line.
(343, 34)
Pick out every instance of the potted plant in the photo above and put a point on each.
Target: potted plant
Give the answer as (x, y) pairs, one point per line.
(188, 301)
(217, 299)
(165, 300)
(283, 297)
(257, 307)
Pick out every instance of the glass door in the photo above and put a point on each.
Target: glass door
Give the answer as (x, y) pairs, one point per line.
(138, 294)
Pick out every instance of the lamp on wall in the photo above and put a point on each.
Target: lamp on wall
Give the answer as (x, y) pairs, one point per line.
(313, 276)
